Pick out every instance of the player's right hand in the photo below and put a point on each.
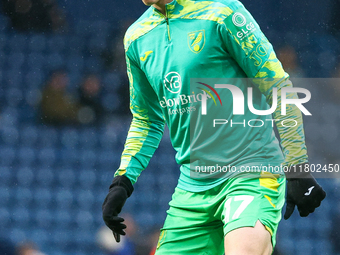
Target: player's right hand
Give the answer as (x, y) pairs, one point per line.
(305, 193)
(120, 189)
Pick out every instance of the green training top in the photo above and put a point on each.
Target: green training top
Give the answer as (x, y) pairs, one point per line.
(194, 41)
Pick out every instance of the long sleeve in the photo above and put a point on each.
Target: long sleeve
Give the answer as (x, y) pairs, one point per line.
(255, 55)
(147, 124)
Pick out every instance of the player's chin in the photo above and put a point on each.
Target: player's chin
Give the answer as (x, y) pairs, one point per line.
(150, 2)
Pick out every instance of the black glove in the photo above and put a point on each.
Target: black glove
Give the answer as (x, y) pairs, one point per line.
(302, 191)
(120, 189)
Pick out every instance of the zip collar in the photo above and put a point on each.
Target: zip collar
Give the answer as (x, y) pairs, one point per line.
(170, 8)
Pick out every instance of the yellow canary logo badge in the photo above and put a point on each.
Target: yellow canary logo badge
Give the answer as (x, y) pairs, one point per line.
(196, 40)
(146, 54)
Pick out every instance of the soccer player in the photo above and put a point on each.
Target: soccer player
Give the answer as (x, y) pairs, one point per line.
(181, 41)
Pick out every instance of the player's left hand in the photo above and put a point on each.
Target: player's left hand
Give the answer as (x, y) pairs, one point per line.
(305, 193)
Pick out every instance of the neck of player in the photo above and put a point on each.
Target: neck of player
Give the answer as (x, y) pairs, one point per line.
(160, 5)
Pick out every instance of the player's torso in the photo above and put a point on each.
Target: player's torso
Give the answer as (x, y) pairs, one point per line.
(175, 52)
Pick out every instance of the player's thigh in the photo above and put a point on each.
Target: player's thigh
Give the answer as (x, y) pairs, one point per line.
(248, 241)
(190, 226)
(254, 200)
(205, 240)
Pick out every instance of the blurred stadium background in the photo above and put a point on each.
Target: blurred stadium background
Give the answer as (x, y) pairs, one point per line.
(53, 178)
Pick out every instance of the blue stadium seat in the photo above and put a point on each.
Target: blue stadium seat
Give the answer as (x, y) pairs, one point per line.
(75, 77)
(7, 155)
(70, 138)
(47, 156)
(76, 45)
(111, 102)
(111, 81)
(323, 225)
(63, 218)
(307, 58)
(167, 178)
(165, 143)
(328, 133)
(164, 198)
(17, 43)
(16, 60)
(82, 28)
(37, 43)
(69, 156)
(53, 251)
(56, 43)
(35, 78)
(145, 218)
(3, 41)
(84, 221)
(43, 218)
(26, 155)
(104, 178)
(312, 131)
(64, 199)
(109, 159)
(148, 197)
(10, 119)
(14, 78)
(44, 177)
(32, 100)
(25, 176)
(6, 175)
(55, 61)
(39, 235)
(107, 141)
(304, 246)
(323, 247)
(90, 138)
(286, 228)
(5, 218)
(87, 178)
(35, 61)
(84, 199)
(297, 40)
(5, 196)
(98, 43)
(97, 217)
(20, 216)
(327, 61)
(48, 137)
(100, 27)
(332, 192)
(85, 239)
(66, 177)
(28, 135)
(61, 237)
(17, 235)
(306, 224)
(3, 62)
(23, 195)
(75, 62)
(88, 158)
(93, 64)
(286, 245)
(326, 42)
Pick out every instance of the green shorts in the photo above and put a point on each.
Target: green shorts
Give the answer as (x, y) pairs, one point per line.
(196, 223)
